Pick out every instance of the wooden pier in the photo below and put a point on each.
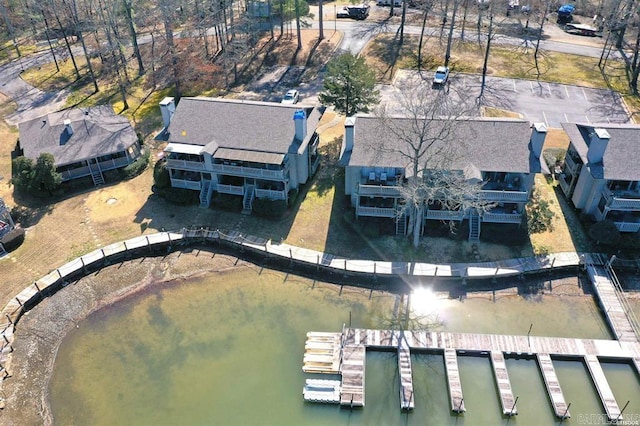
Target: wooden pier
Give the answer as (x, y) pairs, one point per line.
(353, 371)
(504, 384)
(602, 386)
(553, 386)
(406, 377)
(453, 381)
(610, 302)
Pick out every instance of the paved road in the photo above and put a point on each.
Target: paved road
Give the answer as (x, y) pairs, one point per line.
(31, 102)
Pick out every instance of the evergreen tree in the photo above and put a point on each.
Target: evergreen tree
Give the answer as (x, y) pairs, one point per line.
(349, 85)
(45, 178)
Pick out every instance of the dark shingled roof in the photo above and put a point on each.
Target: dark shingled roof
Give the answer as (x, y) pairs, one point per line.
(492, 145)
(622, 157)
(244, 125)
(96, 131)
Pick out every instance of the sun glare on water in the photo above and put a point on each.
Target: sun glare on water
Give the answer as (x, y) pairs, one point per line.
(424, 301)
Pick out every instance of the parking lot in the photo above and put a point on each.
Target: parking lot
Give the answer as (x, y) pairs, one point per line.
(549, 103)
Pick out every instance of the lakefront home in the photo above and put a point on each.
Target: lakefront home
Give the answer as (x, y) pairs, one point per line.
(601, 172)
(501, 155)
(83, 141)
(251, 150)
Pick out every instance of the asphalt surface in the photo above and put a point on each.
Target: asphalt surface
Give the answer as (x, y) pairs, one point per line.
(536, 101)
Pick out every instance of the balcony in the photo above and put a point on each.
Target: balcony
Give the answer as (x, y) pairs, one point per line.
(271, 194)
(186, 184)
(111, 164)
(230, 189)
(444, 214)
(174, 163)
(379, 190)
(622, 200)
(375, 211)
(571, 166)
(502, 217)
(628, 226)
(510, 192)
(505, 195)
(255, 172)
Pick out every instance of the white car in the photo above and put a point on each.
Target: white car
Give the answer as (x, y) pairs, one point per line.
(291, 97)
(441, 75)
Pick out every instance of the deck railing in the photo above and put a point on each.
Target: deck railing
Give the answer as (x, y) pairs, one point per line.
(228, 169)
(271, 194)
(186, 184)
(174, 163)
(621, 201)
(375, 211)
(444, 214)
(230, 189)
(379, 190)
(502, 217)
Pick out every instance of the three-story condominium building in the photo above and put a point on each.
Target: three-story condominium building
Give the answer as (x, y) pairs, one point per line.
(242, 148)
(500, 155)
(601, 172)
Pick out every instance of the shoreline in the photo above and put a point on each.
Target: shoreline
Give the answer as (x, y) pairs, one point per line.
(42, 329)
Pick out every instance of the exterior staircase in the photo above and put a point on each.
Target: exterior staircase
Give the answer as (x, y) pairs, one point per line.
(247, 200)
(96, 174)
(401, 225)
(474, 226)
(205, 193)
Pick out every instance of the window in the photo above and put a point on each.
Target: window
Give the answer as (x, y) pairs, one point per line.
(602, 204)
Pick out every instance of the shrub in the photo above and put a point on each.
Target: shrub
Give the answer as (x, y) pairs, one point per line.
(12, 239)
(539, 215)
(553, 157)
(228, 202)
(134, 169)
(269, 208)
(161, 176)
(39, 178)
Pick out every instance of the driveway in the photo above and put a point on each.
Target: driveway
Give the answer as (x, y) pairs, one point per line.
(31, 102)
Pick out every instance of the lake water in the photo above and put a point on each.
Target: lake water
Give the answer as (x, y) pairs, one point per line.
(227, 349)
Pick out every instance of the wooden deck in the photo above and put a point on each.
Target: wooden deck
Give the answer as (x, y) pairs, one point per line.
(453, 381)
(501, 375)
(406, 376)
(353, 373)
(602, 386)
(553, 386)
(611, 304)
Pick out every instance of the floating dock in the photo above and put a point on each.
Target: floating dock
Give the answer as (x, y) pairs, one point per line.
(326, 391)
(406, 376)
(352, 371)
(453, 381)
(602, 386)
(553, 386)
(322, 353)
(504, 384)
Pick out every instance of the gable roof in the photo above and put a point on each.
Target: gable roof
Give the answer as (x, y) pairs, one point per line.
(621, 158)
(96, 131)
(240, 125)
(490, 145)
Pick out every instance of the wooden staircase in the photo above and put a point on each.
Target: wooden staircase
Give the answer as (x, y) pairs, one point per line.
(96, 174)
(401, 224)
(247, 200)
(474, 226)
(205, 193)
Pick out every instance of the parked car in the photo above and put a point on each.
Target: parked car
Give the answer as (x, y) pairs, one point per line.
(354, 12)
(291, 97)
(441, 76)
(343, 13)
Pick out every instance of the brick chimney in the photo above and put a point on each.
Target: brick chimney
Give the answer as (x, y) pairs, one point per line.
(598, 141)
(538, 134)
(300, 121)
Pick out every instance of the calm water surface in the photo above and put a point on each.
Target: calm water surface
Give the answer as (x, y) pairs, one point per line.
(227, 349)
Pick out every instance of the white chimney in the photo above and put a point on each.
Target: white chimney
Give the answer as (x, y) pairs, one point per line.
(167, 108)
(300, 120)
(598, 141)
(538, 134)
(349, 134)
(67, 127)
